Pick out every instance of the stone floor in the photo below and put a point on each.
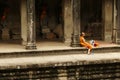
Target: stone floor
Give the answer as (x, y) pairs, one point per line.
(15, 46)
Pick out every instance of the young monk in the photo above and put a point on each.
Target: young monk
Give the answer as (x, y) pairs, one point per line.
(84, 43)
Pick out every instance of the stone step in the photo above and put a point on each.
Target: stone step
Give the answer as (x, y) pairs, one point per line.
(62, 67)
(79, 50)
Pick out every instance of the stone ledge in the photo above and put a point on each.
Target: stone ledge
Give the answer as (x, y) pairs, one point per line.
(60, 64)
(79, 50)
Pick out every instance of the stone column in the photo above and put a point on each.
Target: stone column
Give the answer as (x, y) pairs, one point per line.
(114, 23)
(118, 22)
(108, 19)
(68, 23)
(31, 42)
(23, 22)
(76, 23)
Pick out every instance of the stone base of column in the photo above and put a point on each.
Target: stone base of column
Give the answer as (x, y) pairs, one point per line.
(24, 43)
(31, 46)
(75, 41)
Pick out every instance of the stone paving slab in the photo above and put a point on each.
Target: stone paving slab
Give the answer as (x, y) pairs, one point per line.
(57, 60)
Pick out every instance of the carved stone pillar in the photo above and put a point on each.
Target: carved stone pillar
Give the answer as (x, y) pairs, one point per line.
(114, 36)
(107, 19)
(23, 22)
(76, 23)
(31, 42)
(68, 22)
(118, 22)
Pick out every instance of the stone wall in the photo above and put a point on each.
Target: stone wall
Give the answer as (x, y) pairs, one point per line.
(92, 70)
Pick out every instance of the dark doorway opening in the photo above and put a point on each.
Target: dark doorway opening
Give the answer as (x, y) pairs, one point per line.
(91, 18)
(4, 9)
(49, 19)
(10, 20)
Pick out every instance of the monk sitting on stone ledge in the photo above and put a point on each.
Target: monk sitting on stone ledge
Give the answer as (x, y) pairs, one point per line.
(89, 46)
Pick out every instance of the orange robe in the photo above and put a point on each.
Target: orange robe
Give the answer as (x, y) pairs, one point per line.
(84, 43)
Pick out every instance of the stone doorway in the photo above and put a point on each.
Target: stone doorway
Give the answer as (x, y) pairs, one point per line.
(91, 19)
(49, 19)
